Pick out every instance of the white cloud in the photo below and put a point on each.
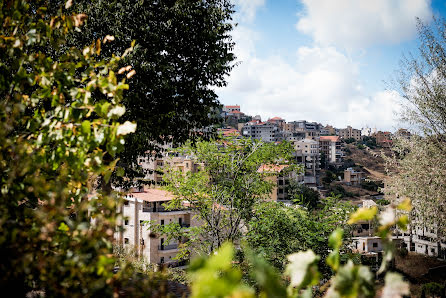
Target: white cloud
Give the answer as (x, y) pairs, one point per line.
(322, 85)
(247, 9)
(359, 23)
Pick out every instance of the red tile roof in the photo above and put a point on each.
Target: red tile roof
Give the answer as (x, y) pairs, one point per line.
(276, 119)
(153, 195)
(236, 112)
(232, 107)
(329, 138)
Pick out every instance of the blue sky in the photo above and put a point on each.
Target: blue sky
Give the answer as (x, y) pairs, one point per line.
(323, 60)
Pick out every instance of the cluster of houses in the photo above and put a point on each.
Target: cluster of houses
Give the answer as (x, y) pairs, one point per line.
(314, 145)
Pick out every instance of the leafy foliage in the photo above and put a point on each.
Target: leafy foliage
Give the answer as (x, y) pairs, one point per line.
(59, 132)
(224, 193)
(183, 49)
(303, 195)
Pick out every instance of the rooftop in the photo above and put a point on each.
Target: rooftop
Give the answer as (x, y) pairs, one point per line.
(152, 195)
(329, 138)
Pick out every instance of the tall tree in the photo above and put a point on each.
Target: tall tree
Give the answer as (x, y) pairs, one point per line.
(183, 51)
(225, 191)
(420, 162)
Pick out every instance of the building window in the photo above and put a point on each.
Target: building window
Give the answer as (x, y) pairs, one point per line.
(126, 222)
(375, 244)
(126, 203)
(126, 240)
(162, 260)
(162, 222)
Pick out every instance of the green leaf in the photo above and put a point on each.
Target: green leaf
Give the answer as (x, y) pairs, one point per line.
(363, 214)
(335, 239)
(86, 127)
(63, 227)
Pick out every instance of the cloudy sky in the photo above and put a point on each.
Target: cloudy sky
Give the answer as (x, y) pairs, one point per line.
(329, 61)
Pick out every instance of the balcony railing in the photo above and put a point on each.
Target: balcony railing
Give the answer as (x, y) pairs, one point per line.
(185, 225)
(168, 247)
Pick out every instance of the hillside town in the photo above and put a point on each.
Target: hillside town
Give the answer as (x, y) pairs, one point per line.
(136, 159)
(317, 148)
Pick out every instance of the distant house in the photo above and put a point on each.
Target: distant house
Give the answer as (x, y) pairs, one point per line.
(383, 138)
(368, 244)
(350, 133)
(352, 177)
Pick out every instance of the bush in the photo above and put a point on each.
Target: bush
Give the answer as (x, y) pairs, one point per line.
(433, 289)
(403, 252)
(382, 202)
(360, 146)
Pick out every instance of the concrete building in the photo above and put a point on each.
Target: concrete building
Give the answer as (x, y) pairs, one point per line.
(280, 179)
(363, 245)
(147, 205)
(231, 109)
(350, 133)
(423, 240)
(383, 138)
(267, 132)
(331, 147)
(352, 177)
(311, 129)
(153, 166)
(329, 130)
(307, 154)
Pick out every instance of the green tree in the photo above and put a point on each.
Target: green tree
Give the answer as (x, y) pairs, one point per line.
(276, 231)
(418, 169)
(225, 191)
(183, 50)
(56, 138)
(303, 195)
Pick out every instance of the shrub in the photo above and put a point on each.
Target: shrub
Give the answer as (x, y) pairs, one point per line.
(432, 289)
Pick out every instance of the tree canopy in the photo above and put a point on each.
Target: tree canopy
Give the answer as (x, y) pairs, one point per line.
(183, 51)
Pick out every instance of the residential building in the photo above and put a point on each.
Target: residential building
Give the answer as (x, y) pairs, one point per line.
(369, 244)
(268, 132)
(329, 130)
(307, 154)
(350, 133)
(311, 129)
(352, 177)
(231, 109)
(330, 146)
(403, 133)
(422, 239)
(383, 138)
(281, 180)
(153, 166)
(277, 121)
(148, 205)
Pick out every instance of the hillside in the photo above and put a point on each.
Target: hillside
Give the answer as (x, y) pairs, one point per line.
(370, 159)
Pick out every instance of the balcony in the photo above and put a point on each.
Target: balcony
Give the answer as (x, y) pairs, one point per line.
(167, 247)
(185, 225)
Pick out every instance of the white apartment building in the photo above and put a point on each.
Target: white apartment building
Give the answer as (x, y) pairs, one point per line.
(331, 147)
(147, 205)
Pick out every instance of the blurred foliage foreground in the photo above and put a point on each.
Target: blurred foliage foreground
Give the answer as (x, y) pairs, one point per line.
(59, 133)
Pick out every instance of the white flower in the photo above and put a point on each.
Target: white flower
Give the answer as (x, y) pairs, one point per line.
(126, 128)
(116, 111)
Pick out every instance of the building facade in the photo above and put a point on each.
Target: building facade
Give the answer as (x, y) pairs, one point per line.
(350, 133)
(332, 149)
(148, 205)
